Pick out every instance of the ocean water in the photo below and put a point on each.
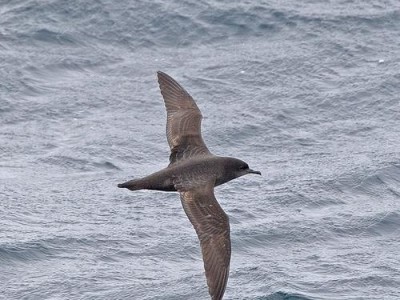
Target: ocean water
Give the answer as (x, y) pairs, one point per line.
(307, 93)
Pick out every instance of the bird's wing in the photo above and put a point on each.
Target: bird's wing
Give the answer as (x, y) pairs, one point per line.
(183, 121)
(212, 227)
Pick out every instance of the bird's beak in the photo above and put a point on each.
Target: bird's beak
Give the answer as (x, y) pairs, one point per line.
(254, 172)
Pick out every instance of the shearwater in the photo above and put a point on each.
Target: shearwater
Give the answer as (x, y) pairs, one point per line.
(194, 171)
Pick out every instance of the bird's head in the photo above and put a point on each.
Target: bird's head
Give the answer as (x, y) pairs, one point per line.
(238, 168)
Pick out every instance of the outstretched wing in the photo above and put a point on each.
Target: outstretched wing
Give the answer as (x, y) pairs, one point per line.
(212, 227)
(183, 121)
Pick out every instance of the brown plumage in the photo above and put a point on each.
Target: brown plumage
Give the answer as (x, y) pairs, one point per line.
(194, 172)
(183, 121)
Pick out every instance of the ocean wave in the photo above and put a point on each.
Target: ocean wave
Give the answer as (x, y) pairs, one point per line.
(28, 251)
(284, 296)
(168, 24)
(157, 24)
(78, 164)
(55, 248)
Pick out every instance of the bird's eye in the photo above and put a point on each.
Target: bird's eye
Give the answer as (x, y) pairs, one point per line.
(243, 167)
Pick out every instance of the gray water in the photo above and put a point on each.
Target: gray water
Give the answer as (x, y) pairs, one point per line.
(307, 93)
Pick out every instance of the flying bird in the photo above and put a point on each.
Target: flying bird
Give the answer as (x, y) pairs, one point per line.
(194, 171)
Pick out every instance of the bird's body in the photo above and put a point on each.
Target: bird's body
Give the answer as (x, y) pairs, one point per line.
(186, 174)
(194, 172)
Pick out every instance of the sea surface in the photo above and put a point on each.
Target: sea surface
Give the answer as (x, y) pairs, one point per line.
(307, 92)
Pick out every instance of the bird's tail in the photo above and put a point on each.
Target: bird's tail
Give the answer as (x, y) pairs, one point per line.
(133, 185)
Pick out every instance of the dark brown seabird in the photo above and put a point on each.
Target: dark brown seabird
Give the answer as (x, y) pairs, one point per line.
(194, 171)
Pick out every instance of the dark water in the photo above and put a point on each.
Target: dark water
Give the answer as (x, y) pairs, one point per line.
(307, 93)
